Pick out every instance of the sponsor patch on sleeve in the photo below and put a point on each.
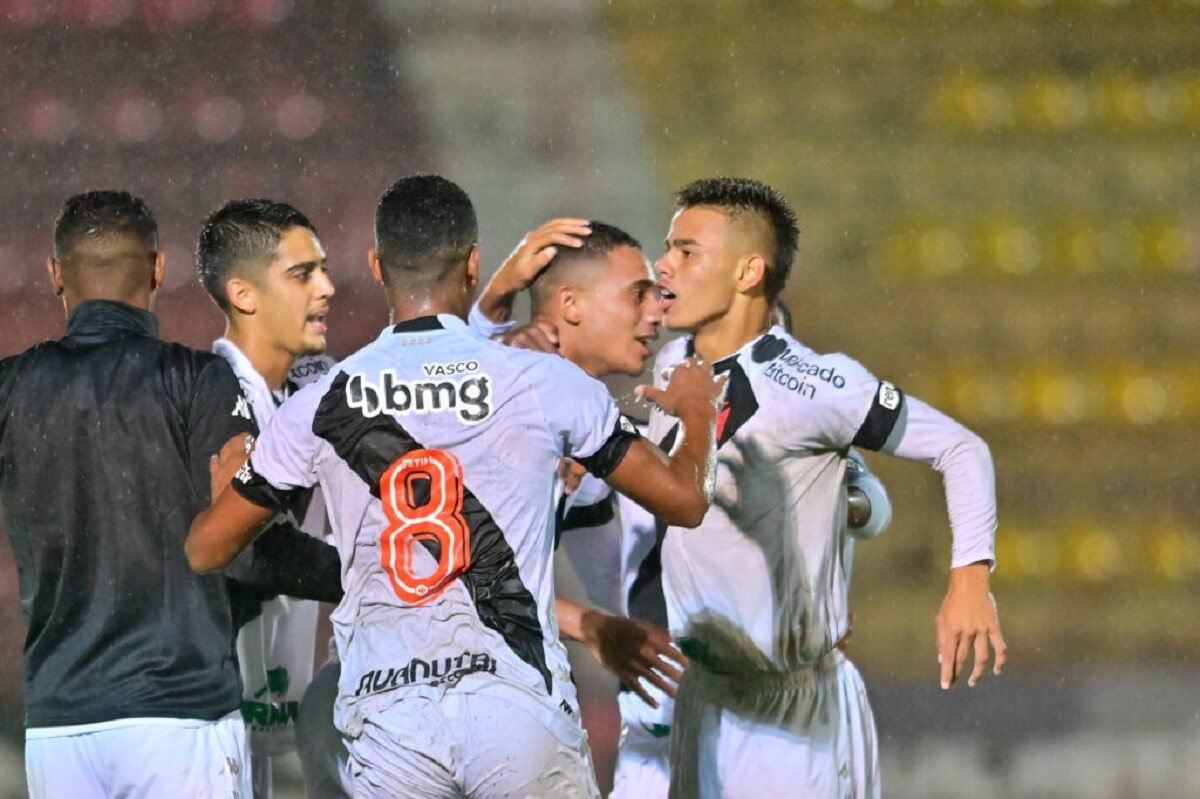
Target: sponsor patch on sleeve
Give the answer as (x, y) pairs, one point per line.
(881, 418)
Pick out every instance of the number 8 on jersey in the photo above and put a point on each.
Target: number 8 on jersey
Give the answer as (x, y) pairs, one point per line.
(422, 494)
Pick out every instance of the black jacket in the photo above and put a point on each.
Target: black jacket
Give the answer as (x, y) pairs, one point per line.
(105, 437)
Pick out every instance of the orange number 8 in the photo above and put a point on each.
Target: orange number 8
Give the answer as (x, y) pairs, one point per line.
(413, 520)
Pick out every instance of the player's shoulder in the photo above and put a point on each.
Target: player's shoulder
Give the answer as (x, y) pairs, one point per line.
(190, 364)
(786, 367)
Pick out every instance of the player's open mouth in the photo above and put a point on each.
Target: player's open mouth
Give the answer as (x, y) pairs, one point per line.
(317, 322)
(666, 298)
(645, 341)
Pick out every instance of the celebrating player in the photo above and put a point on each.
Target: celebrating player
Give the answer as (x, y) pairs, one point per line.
(435, 449)
(264, 267)
(591, 302)
(105, 438)
(756, 596)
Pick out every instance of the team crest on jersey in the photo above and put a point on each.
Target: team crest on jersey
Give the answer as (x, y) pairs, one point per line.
(469, 397)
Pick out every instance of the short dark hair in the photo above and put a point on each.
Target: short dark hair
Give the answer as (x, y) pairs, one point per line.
(738, 196)
(242, 234)
(603, 239)
(103, 214)
(425, 226)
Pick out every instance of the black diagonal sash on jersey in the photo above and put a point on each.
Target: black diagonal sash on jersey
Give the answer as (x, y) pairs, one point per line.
(646, 600)
(369, 446)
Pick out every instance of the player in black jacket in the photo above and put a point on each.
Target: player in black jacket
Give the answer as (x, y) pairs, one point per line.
(131, 682)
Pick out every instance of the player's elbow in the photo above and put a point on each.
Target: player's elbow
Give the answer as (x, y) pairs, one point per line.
(688, 510)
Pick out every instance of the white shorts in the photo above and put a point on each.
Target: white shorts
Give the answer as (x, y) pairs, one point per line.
(804, 733)
(643, 758)
(473, 745)
(139, 759)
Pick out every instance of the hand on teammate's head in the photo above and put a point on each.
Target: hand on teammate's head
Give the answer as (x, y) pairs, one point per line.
(535, 252)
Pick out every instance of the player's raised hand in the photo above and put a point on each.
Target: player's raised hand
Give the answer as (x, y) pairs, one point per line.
(691, 384)
(532, 255)
(539, 336)
(969, 621)
(634, 651)
(225, 464)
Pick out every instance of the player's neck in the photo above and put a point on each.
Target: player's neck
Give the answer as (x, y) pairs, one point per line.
(429, 304)
(726, 334)
(268, 359)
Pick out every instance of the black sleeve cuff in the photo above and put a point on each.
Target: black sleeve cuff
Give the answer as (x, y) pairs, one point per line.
(881, 418)
(602, 462)
(253, 487)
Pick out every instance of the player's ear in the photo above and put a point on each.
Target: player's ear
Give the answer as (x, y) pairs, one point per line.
(473, 267)
(241, 295)
(54, 269)
(567, 299)
(160, 270)
(374, 265)
(751, 273)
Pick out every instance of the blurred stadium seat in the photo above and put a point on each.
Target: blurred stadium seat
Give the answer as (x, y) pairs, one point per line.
(999, 212)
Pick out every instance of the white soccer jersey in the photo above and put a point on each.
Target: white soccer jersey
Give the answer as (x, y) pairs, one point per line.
(436, 452)
(275, 648)
(761, 585)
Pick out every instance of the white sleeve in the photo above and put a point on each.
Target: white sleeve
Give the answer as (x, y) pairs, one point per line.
(927, 435)
(485, 327)
(840, 411)
(583, 416)
(863, 411)
(285, 454)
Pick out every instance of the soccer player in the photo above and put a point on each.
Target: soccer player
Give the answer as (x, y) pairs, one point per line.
(592, 302)
(592, 291)
(757, 596)
(435, 449)
(131, 687)
(264, 267)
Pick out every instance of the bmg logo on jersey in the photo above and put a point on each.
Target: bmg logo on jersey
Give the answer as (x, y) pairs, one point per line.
(469, 396)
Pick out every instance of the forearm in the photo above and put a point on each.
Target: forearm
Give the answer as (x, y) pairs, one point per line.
(496, 301)
(223, 530)
(968, 476)
(692, 468)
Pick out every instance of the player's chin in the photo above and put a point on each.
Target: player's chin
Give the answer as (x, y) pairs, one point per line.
(674, 319)
(312, 344)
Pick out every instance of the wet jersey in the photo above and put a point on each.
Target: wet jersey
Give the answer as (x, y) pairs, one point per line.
(762, 584)
(435, 450)
(275, 646)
